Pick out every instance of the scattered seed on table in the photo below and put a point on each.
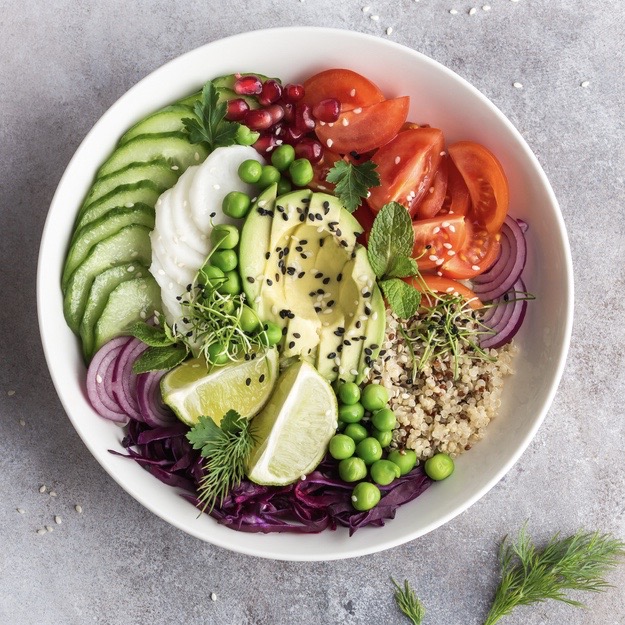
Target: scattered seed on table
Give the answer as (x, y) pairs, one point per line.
(41, 531)
(389, 30)
(366, 9)
(78, 508)
(42, 488)
(10, 393)
(49, 528)
(213, 596)
(585, 83)
(472, 11)
(21, 510)
(517, 85)
(52, 493)
(58, 520)
(22, 422)
(453, 11)
(486, 7)
(375, 18)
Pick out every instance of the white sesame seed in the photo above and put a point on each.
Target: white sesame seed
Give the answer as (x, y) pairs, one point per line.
(354, 371)
(475, 267)
(130, 268)
(42, 488)
(585, 84)
(22, 422)
(433, 258)
(397, 160)
(389, 30)
(366, 9)
(445, 224)
(328, 311)
(58, 520)
(352, 93)
(436, 230)
(443, 153)
(357, 111)
(213, 596)
(175, 167)
(447, 245)
(345, 121)
(337, 361)
(21, 510)
(439, 273)
(325, 324)
(216, 187)
(451, 253)
(329, 143)
(41, 532)
(452, 228)
(431, 189)
(78, 508)
(486, 7)
(143, 314)
(472, 11)
(49, 528)
(129, 204)
(52, 493)
(196, 156)
(517, 85)
(440, 261)
(453, 12)
(354, 498)
(375, 18)
(10, 393)
(321, 122)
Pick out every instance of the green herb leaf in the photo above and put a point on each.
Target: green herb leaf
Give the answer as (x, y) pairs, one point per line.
(226, 449)
(353, 182)
(402, 267)
(154, 336)
(391, 236)
(157, 358)
(211, 126)
(408, 602)
(532, 575)
(403, 298)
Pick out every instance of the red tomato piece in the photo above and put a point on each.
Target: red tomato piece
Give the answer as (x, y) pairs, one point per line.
(478, 253)
(407, 166)
(351, 89)
(457, 199)
(364, 129)
(435, 239)
(321, 169)
(486, 181)
(433, 199)
(436, 284)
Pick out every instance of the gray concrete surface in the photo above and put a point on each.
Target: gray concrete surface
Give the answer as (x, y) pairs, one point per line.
(62, 65)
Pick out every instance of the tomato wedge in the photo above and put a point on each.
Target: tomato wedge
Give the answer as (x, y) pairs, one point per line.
(457, 199)
(436, 240)
(486, 181)
(407, 166)
(321, 169)
(363, 129)
(478, 253)
(436, 284)
(434, 198)
(351, 89)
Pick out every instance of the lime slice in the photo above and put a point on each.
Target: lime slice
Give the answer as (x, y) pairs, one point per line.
(192, 389)
(294, 429)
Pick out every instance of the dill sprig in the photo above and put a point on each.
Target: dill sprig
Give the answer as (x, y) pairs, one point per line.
(226, 448)
(408, 602)
(531, 575)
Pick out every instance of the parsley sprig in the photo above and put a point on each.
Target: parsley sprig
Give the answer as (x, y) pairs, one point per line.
(211, 127)
(353, 182)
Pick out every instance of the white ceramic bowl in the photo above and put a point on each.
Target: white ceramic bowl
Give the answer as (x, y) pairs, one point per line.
(439, 97)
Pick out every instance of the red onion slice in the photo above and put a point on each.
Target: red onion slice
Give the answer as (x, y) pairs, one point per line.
(148, 392)
(125, 381)
(505, 323)
(507, 269)
(99, 381)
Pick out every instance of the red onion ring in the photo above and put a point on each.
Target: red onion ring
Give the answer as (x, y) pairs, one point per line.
(99, 381)
(507, 269)
(506, 319)
(124, 382)
(148, 392)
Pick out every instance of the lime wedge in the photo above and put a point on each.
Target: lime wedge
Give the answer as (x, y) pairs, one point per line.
(193, 389)
(293, 430)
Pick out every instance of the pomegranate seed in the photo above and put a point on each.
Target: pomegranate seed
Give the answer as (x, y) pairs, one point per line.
(248, 85)
(309, 149)
(276, 112)
(289, 111)
(265, 143)
(270, 93)
(290, 134)
(327, 110)
(258, 119)
(303, 118)
(237, 109)
(293, 93)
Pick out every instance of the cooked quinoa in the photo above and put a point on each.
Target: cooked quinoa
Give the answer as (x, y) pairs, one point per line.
(435, 412)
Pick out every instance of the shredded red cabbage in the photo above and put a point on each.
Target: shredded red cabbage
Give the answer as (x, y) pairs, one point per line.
(321, 501)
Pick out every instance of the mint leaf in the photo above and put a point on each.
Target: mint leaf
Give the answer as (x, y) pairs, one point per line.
(403, 298)
(353, 182)
(158, 358)
(391, 236)
(204, 435)
(153, 336)
(211, 127)
(401, 267)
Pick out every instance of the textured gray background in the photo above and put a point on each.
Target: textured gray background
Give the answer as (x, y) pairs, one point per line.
(62, 65)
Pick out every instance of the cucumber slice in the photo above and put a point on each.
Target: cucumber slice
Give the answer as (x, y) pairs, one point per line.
(159, 172)
(190, 100)
(224, 94)
(126, 195)
(102, 287)
(130, 244)
(172, 146)
(102, 228)
(130, 301)
(168, 119)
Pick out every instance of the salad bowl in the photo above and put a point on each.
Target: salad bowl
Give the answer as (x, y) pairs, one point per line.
(440, 98)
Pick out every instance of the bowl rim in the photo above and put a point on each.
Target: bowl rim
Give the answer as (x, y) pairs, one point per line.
(387, 543)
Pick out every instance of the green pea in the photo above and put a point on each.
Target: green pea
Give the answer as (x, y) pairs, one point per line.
(439, 467)
(301, 172)
(405, 459)
(269, 175)
(228, 307)
(232, 285)
(351, 414)
(217, 354)
(369, 450)
(226, 260)
(245, 136)
(384, 437)
(383, 472)
(374, 397)
(225, 236)
(384, 420)
(282, 157)
(272, 333)
(349, 393)
(236, 204)
(284, 185)
(341, 447)
(250, 171)
(249, 320)
(212, 276)
(365, 496)
(352, 469)
(356, 431)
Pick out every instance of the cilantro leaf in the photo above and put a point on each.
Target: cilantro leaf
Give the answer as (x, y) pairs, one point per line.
(211, 127)
(403, 298)
(353, 182)
(157, 358)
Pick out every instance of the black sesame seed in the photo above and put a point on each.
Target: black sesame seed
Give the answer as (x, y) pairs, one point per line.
(318, 216)
(320, 292)
(339, 277)
(261, 379)
(297, 335)
(213, 214)
(188, 288)
(247, 356)
(339, 349)
(185, 320)
(374, 346)
(267, 255)
(335, 369)
(303, 255)
(248, 381)
(285, 217)
(368, 351)
(305, 200)
(317, 309)
(318, 275)
(291, 344)
(358, 324)
(269, 282)
(367, 294)
(291, 271)
(286, 250)
(303, 242)
(301, 274)
(189, 333)
(428, 247)
(311, 217)
(367, 310)
(330, 303)
(326, 204)
(299, 248)
(347, 342)
(362, 337)
(332, 355)
(302, 217)
(321, 241)
(251, 280)
(326, 281)
(311, 294)
(179, 297)
(253, 355)
(284, 331)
